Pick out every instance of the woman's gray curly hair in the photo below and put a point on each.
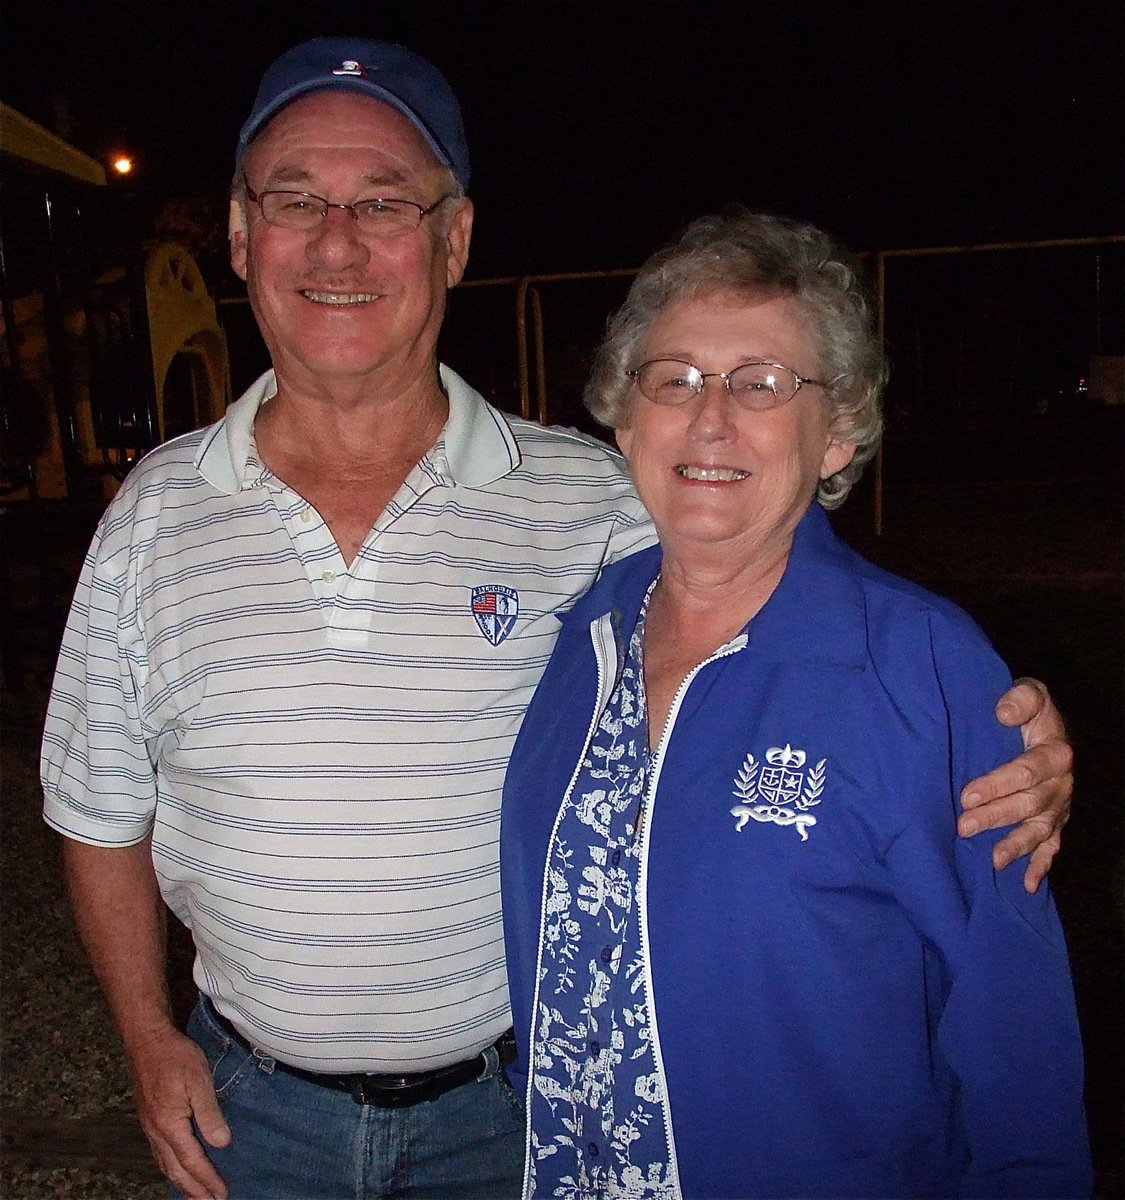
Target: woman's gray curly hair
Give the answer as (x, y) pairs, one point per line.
(755, 253)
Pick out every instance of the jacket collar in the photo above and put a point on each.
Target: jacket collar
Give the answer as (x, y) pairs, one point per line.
(475, 448)
(817, 613)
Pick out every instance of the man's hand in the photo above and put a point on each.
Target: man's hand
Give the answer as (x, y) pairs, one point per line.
(117, 907)
(173, 1085)
(1033, 789)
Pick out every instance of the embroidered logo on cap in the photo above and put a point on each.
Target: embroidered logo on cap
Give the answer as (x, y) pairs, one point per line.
(780, 793)
(495, 608)
(350, 67)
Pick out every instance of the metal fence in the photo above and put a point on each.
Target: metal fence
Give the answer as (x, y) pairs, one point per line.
(979, 336)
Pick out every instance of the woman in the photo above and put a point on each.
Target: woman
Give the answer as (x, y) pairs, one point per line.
(748, 954)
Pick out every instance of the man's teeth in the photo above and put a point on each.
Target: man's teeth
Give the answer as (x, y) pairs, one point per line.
(338, 297)
(713, 474)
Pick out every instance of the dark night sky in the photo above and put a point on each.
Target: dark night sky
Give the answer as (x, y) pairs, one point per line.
(598, 128)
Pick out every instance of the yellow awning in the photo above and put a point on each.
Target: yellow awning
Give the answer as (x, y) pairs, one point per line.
(29, 144)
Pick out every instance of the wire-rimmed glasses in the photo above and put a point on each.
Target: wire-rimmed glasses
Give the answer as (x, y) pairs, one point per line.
(376, 216)
(756, 386)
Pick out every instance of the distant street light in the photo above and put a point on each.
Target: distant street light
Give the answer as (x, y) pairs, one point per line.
(122, 164)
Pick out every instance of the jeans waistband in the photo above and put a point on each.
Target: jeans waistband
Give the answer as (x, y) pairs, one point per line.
(392, 1091)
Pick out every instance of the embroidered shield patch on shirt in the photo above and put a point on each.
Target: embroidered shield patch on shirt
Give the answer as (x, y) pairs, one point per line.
(495, 609)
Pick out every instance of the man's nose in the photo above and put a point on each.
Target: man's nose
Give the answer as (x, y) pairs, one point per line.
(338, 242)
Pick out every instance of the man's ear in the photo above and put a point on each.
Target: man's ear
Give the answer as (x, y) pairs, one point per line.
(236, 230)
(457, 239)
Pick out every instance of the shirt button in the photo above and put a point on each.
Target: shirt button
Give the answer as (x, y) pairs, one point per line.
(306, 514)
(593, 1048)
(328, 576)
(616, 858)
(607, 954)
(593, 1148)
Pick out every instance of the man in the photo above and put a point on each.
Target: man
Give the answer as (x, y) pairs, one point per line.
(299, 653)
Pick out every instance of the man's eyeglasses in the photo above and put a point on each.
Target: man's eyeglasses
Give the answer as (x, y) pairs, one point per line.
(756, 386)
(375, 217)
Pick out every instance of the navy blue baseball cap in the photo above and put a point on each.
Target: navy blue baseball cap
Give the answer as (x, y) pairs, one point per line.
(393, 74)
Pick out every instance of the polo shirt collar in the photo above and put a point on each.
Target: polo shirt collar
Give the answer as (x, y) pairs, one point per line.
(225, 449)
(478, 445)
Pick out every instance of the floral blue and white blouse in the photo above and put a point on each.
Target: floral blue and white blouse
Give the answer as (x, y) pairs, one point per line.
(593, 1046)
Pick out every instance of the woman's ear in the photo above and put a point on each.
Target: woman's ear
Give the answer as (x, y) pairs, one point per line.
(836, 458)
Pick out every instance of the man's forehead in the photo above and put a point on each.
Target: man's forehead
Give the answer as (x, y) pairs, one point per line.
(285, 172)
(344, 122)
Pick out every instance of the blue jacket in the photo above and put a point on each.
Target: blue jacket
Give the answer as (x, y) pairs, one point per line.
(849, 1001)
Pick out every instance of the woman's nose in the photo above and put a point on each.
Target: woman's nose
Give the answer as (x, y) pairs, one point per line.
(713, 414)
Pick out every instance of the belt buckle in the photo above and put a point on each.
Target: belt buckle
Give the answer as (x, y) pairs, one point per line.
(389, 1091)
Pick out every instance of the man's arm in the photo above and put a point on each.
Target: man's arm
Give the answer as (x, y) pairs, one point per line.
(1033, 789)
(121, 920)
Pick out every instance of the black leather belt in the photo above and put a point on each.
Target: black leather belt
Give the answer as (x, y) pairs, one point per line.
(393, 1091)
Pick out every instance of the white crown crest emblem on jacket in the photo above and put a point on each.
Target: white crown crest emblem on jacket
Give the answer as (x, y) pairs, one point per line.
(781, 792)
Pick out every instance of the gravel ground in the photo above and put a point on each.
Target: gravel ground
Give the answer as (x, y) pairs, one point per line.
(1040, 564)
(60, 1059)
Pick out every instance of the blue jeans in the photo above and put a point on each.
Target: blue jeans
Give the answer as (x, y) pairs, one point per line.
(294, 1140)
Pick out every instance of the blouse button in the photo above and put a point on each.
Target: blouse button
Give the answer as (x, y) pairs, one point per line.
(607, 954)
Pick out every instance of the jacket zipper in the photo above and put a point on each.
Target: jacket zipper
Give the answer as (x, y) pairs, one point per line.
(647, 803)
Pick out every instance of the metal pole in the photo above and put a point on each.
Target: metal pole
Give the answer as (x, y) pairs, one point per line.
(15, 394)
(60, 371)
(540, 356)
(521, 346)
(881, 311)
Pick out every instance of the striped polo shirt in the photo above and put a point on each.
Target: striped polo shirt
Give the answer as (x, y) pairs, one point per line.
(318, 749)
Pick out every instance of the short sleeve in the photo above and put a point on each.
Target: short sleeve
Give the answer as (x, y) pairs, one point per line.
(98, 775)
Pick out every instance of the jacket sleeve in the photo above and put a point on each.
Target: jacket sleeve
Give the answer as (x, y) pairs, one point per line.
(1002, 1003)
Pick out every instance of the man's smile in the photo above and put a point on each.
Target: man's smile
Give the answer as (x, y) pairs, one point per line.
(339, 298)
